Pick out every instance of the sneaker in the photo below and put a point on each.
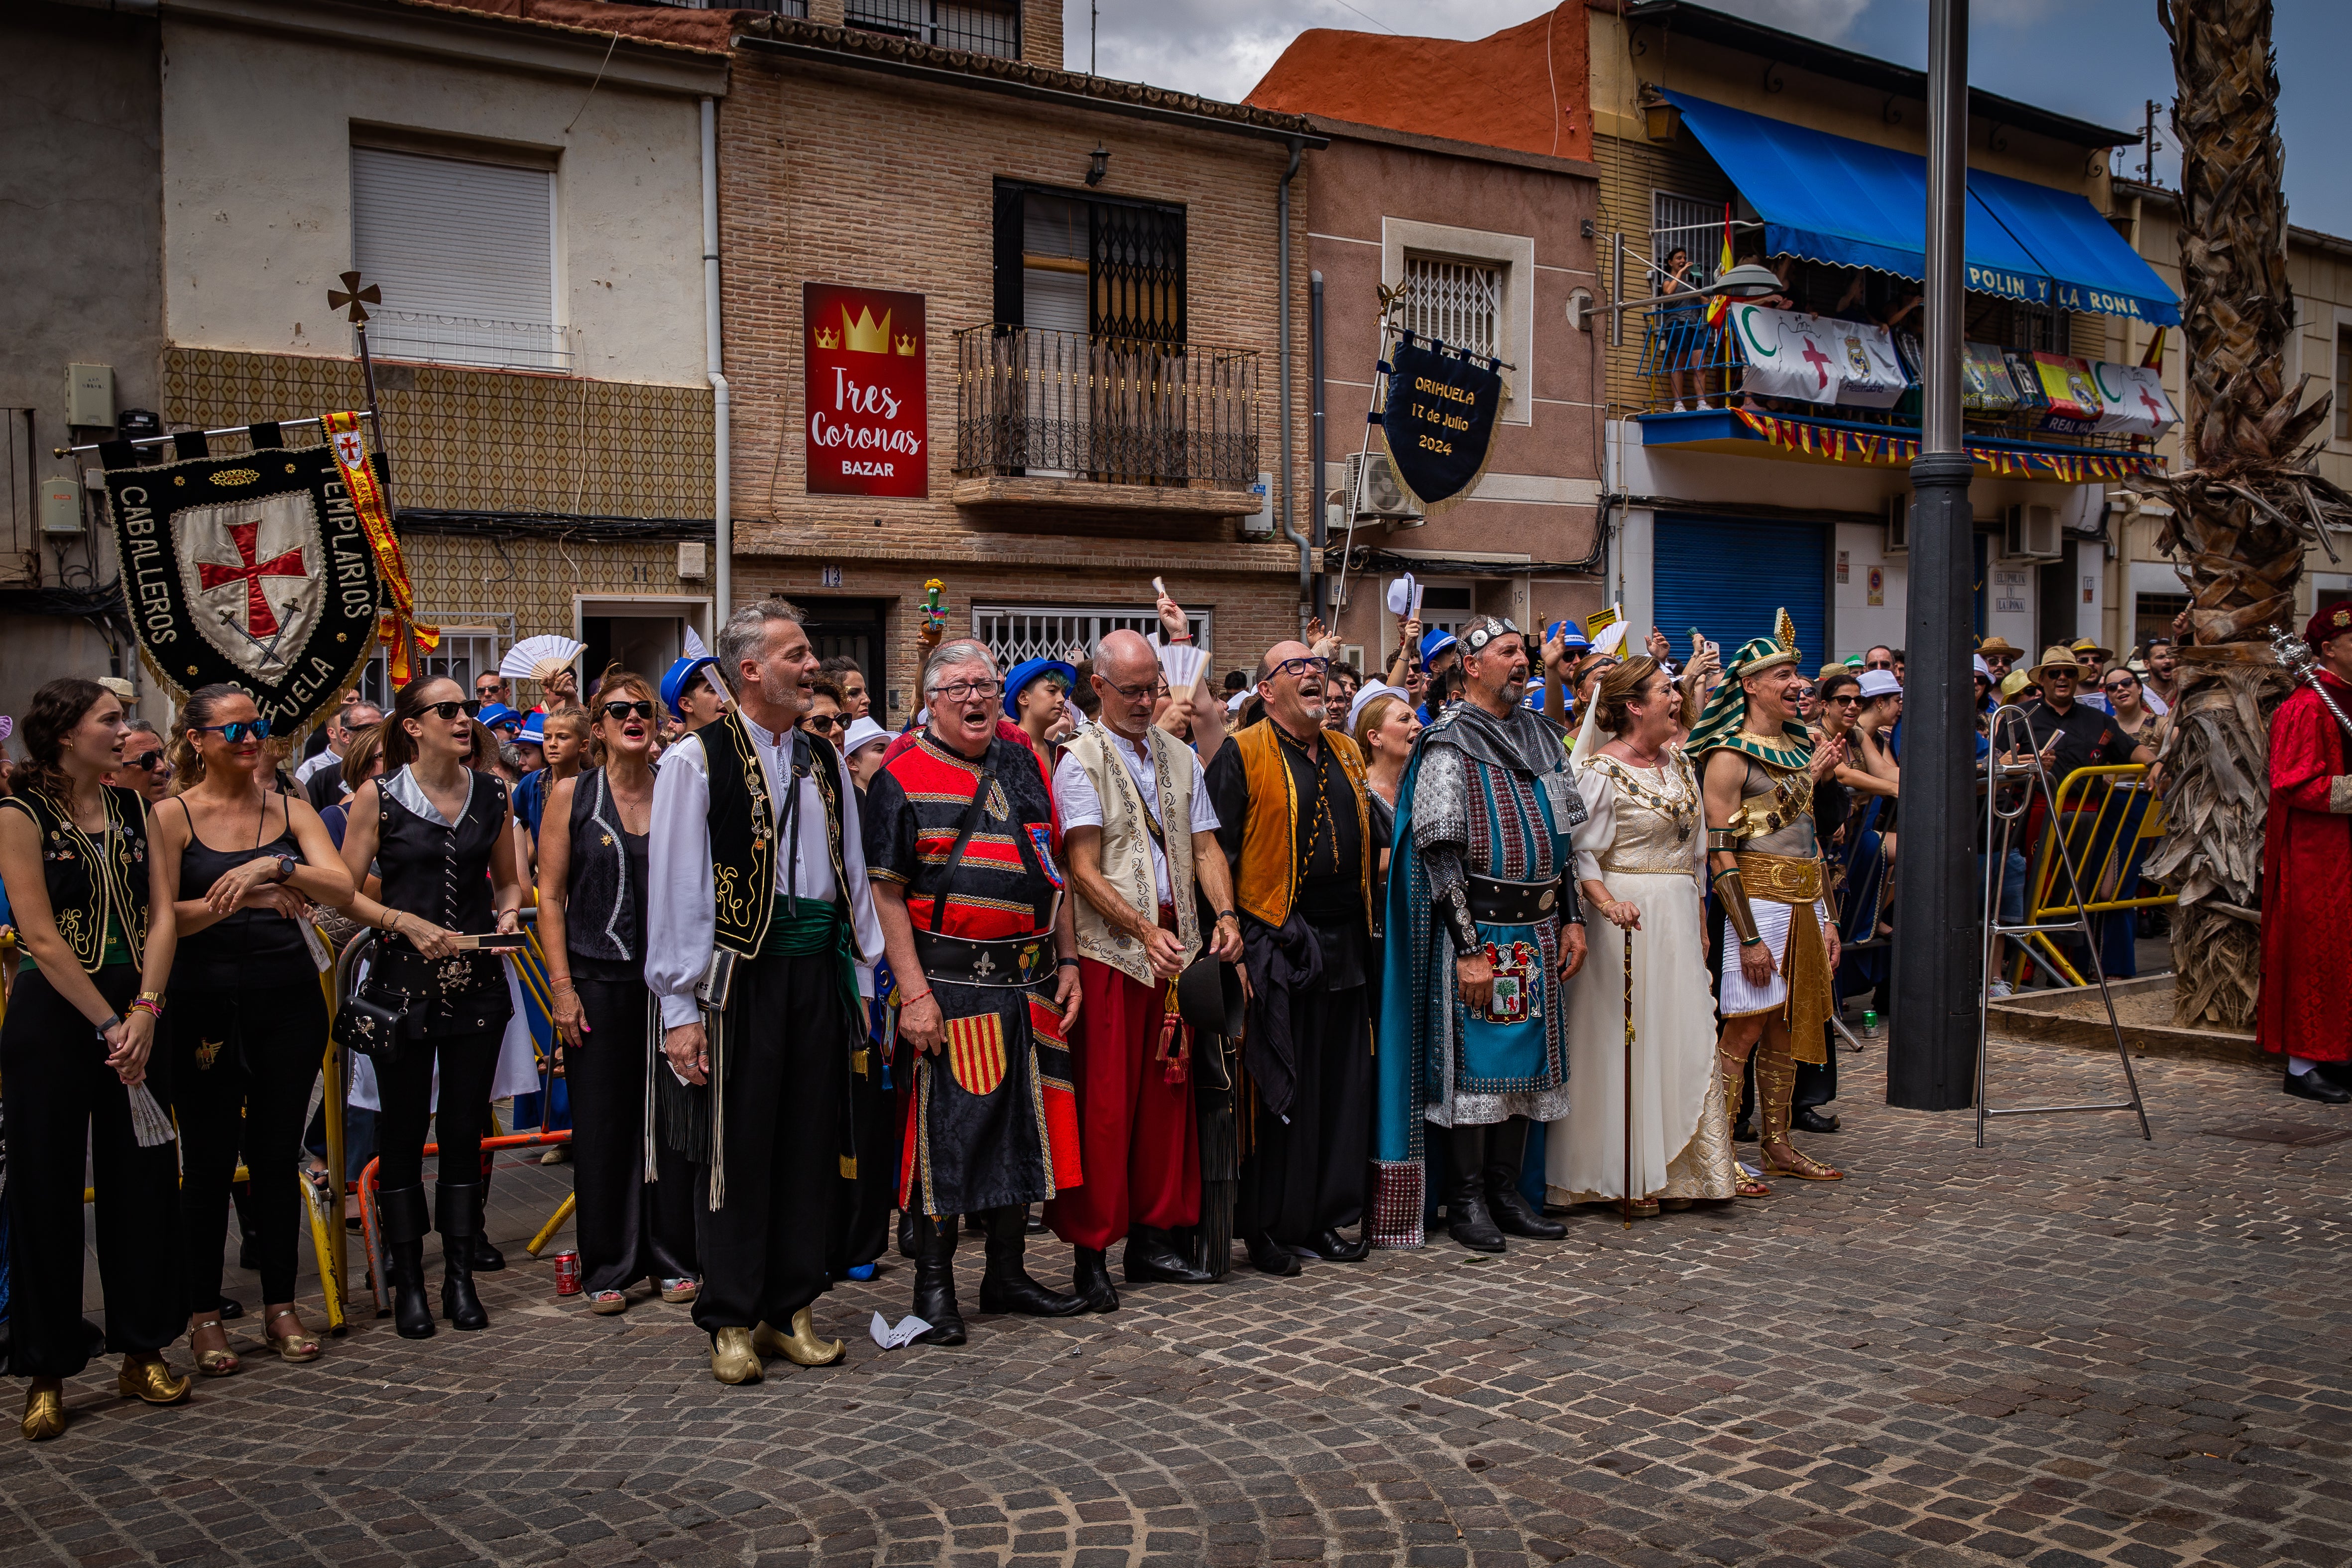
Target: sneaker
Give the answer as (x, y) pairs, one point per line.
(2004, 988)
(1678, 408)
(556, 1155)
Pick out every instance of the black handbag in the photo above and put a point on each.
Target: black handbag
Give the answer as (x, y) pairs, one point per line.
(372, 1028)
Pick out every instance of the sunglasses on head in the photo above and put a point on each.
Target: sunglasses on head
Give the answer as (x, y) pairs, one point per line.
(234, 734)
(623, 711)
(451, 709)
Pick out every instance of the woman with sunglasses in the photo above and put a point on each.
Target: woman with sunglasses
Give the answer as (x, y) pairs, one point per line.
(827, 716)
(94, 916)
(592, 925)
(2118, 930)
(243, 863)
(441, 836)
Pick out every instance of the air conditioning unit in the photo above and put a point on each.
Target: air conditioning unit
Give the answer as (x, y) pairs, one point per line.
(1377, 491)
(2030, 532)
(1898, 523)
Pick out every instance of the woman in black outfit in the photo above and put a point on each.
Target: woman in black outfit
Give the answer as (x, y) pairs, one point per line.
(95, 918)
(243, 862)
(441, 837)
(591, 926)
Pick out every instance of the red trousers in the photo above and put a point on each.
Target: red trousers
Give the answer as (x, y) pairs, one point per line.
(1136, 1136)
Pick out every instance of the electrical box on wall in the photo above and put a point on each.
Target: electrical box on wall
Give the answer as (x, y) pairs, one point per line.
(2030, 532)
(89, 395)
(1259, 524)
(693, 560)
(61, 506)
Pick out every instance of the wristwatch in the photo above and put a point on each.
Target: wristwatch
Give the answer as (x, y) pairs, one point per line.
(1227, 915)
(286, 865)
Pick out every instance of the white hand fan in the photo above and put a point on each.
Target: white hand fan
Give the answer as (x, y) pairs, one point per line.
(528, 657)
(1612, 637)
(1182, 662)
(692, 647)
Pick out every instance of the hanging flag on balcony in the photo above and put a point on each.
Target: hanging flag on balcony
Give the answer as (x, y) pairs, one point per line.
(1439, 419)
(869, 430)
(254, 570)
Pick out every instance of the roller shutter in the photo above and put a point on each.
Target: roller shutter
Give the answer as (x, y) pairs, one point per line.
(1728, 576)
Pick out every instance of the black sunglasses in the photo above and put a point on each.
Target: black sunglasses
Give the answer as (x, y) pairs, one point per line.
(234, 734)
(824, 722)
(450, 710)
(628, 710)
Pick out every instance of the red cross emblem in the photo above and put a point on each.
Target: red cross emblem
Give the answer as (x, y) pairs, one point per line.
(2154, 409)
(260, 619)
(1818, 360)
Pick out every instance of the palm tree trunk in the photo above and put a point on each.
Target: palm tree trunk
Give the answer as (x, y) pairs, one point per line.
(2245, 506)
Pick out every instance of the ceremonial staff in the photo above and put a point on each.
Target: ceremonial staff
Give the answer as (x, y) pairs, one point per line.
(358, 298)
(1628, 1080)
(2296, 655)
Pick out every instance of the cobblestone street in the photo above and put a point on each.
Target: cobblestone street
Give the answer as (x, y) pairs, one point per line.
(2070, 1347)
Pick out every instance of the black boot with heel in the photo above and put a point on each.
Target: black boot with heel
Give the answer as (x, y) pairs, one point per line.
(405, 1224)
(1466, 1218)
(1006, 1287)
(1506, 1153)
(458, 1214)
(935, 1293)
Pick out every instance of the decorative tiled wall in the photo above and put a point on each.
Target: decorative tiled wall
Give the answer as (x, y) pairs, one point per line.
(480, 440)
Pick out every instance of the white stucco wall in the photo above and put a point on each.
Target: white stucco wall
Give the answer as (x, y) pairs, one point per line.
(258, 185)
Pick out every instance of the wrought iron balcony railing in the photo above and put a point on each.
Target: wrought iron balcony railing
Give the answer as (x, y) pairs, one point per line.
(1068, 404)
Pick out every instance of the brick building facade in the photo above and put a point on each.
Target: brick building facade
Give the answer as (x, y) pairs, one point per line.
(851, 158)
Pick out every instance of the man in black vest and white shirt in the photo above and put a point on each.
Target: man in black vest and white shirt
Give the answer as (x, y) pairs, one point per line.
(759, 919)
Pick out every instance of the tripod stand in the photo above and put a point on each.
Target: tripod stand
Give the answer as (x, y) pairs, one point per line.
(2010, 735)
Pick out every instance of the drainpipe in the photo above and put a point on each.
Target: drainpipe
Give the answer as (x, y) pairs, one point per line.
(1282, 251)
(723, 508)
(1317, 442)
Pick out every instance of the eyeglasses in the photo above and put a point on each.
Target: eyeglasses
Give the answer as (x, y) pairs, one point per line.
(966, 691)
(450, 710)
(1298, 668)
(234, 734)
(824, 722)
(487, 689)
(1135, 693)
(150, 761)
(1845, 700)
(2119, 685)
(619, 711)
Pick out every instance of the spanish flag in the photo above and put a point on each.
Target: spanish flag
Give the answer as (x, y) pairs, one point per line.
(1719, 308)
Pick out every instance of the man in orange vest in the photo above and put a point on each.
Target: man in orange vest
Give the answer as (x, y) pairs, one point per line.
(1293, 820)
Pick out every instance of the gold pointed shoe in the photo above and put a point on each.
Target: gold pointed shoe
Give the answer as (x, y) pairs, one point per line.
(732, 1359)
(150, 1377)
(45, 1410)
(801, 1347)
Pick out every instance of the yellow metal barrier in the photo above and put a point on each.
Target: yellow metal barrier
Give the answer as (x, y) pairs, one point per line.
(2104, 815)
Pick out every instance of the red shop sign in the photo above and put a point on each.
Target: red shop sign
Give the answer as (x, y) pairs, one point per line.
(868, 424)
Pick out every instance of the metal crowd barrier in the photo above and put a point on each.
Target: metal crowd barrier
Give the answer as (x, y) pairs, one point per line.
(2101, 817)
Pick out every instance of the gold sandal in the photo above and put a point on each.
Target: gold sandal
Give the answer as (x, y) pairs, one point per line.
(294, 1347)
(221, 1363)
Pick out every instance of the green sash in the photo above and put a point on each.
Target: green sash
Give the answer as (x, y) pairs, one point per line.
(819, 928)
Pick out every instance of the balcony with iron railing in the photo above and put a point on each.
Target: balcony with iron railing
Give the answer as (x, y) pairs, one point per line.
(1047, 417)
(1689, 391)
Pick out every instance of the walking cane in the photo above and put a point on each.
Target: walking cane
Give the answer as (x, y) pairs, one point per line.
(1628, 1080)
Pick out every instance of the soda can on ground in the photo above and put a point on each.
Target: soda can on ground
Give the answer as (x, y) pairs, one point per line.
(567, 1274)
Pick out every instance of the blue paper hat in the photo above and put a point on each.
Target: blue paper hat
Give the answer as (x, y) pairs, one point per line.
(1571, 637)
(534, 730)
(1026, 673)
(1436, 641)
(498, 714)
(681, 676)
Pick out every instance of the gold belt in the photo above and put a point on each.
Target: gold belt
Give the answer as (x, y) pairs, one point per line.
(1783, 879)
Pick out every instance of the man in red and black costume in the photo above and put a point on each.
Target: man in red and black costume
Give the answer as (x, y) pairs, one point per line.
(961, 845)
(2307, 877)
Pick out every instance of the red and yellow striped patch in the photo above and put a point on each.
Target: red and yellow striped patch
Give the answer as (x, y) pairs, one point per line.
(976, 1052)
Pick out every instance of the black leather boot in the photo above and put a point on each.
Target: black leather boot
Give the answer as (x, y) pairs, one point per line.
(1506, 1153)
(908, 1248)
(1006, 1287)
(404, 1224)
(1091, 1279)
(457, 1214)
(1466, 1219)
(1268, 1256)
(1152, 1259)
(935, 1293)
(486, 1258)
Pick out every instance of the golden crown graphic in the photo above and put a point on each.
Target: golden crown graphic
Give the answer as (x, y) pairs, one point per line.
(827, 338)
(865, 336)
(906, 345)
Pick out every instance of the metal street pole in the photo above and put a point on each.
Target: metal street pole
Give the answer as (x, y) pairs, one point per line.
(1932, 1040)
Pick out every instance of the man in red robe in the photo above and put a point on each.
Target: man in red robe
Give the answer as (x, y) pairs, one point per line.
(2307, 877)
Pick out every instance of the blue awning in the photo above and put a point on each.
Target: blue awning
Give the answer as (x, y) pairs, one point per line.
(2091, 266)
(1851, 204)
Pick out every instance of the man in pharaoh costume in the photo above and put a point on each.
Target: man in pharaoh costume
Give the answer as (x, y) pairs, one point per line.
(758, 911)
(961, 841)
(1484, 931)
(1758, 768)
(1294, 824)
(2307, 875)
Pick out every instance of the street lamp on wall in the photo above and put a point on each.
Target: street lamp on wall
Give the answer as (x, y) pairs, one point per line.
(1098, 165)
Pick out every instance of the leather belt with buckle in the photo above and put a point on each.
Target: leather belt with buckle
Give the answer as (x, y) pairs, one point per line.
(962, 961)
(1497, 903)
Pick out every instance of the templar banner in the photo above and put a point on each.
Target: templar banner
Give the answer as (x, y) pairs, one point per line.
(255, 569)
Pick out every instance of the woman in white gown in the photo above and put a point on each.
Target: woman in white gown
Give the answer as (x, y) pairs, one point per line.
(1641, 855)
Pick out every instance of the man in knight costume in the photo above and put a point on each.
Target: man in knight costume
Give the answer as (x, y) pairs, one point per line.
(758, 911)
(1484, 932)
(1779, 943)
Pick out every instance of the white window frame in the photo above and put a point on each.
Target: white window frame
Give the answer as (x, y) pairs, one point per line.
(1086, 623)
(1704, 263)
(2340, 323)
(1451, 291)
(486, 639)
(1516, 254)
(404, 332)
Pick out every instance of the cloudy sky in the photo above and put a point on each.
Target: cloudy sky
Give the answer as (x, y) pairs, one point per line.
(2097, 59)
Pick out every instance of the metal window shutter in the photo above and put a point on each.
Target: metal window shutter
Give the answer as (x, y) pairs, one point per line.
(448, 237)
(1729, 579)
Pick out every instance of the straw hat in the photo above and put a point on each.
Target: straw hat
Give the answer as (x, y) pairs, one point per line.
(1998, 648)
(2082, 646)
(2058, 653)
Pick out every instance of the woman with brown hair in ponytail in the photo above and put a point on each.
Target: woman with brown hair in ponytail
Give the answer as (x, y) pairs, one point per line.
(441, 836)
(245, 861)
(94, 914)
